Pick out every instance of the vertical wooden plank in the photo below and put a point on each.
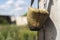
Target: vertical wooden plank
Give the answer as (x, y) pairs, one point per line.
(40, 35)
(52, 30)
(52, 25)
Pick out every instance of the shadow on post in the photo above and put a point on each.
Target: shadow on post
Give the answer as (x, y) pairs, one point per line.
(50, 30)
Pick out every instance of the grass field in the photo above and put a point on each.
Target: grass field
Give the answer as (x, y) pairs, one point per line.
(13, 32)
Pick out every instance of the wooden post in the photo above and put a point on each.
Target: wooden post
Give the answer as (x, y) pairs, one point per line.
(40, 35)
(42, 5)
(52, 25)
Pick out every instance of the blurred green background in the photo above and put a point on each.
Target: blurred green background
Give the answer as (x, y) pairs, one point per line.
(13, 32)
(10, 31)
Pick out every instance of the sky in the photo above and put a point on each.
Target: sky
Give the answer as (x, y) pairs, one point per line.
(15, 7)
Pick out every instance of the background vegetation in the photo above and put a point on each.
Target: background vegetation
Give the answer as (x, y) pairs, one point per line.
(25, 14)
(5, 20)
(13, 32)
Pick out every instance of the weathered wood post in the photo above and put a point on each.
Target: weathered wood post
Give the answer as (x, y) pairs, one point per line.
(44, 4)
(52, 25)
